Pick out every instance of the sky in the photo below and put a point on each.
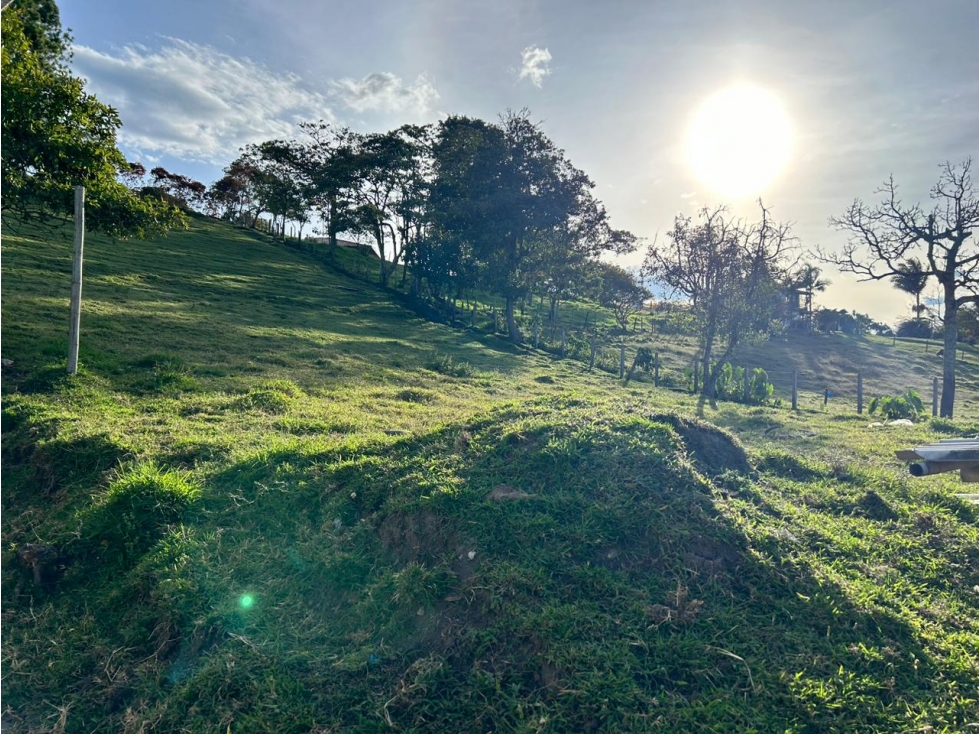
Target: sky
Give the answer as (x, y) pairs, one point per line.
(871, 89)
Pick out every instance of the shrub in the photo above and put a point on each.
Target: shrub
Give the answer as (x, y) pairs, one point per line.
(445, 365)
(730, 385)
(893, 407)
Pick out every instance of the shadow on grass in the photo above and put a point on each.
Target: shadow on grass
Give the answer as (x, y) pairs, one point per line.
(608, 579)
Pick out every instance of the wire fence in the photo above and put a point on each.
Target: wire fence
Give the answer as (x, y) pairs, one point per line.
(672, 366)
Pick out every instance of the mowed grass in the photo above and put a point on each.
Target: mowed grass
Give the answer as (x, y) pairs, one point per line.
(274, 500)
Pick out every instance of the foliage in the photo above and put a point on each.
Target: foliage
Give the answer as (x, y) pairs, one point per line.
(912, 277)
(445, 364)
(621, 294)
(57, 136)
(892, 407)
(730, 385)
(916, 328)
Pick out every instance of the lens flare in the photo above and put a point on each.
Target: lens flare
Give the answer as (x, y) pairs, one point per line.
(246, 601)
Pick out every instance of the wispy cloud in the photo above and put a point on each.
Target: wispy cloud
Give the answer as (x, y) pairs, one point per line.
(386, 92)
(194, 102)
(534, 65)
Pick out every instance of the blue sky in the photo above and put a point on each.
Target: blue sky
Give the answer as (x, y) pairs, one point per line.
(872, 88)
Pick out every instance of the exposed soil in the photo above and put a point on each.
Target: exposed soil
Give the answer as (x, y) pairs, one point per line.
(713, 450)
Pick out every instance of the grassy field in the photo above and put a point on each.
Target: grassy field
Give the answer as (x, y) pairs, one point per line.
(275, 500)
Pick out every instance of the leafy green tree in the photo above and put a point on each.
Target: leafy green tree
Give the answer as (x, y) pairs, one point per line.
(621, 294)
(56, 136)
(500, 194)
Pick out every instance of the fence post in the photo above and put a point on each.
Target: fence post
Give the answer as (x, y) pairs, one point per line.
(536, 334)
(747, 385)
(795, 389)
(860, 393)
(656, 370)
(564, 342)
(622, 361)
(75, 319)
(696, 377)
(591, 359)
(934, 397)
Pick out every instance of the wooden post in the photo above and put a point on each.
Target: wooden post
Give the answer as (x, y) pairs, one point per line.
(656, 370)
(75, 319)
(696, 377)
(622, 361)
(536, 333)
(591, 359)
(825, 396)
(795, 389)
(934, 397)
(564, 342)
(860, 393)
(472, 319)
(747, 385)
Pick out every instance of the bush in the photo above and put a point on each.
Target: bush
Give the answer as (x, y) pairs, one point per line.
(915, 328)
(894, 407)
(445, 365)
(730, 385)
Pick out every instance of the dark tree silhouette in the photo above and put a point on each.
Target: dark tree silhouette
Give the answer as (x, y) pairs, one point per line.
(883, 237)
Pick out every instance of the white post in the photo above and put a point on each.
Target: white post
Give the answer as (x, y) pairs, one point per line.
(75, 319)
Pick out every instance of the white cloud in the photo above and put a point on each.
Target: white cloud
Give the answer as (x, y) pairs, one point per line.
(534, 66)
(196, 103)
(385, 92)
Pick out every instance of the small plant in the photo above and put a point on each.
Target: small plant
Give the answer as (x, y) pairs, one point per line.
(445, 365)
(730, 385)
(894, 407)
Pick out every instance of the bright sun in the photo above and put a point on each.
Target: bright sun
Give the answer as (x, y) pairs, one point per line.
(739, 140)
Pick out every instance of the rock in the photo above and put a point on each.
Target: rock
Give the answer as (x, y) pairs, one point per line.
(6, 362)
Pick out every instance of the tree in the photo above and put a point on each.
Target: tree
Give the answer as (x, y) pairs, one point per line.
(56, 136)
(328, 157)
(621, 294)
(500, 193)
(391, 191)
(885, 236)
(911, 277)
(807, 281)
(730, 272)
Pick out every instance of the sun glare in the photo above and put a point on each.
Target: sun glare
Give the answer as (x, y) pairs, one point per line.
(739, 140)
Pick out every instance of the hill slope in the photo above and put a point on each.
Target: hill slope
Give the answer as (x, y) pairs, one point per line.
(274, 500)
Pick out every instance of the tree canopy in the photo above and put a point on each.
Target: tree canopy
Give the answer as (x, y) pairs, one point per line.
(55, 135)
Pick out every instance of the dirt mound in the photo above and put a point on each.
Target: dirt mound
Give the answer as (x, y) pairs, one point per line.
(713, 450)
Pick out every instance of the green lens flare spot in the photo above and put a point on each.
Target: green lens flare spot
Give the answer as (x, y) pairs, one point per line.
(247, 601)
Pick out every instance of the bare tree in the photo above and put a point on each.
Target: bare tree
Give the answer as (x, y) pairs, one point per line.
(885, 236)
(730, 271)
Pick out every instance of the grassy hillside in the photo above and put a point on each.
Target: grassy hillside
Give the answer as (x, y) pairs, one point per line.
(274, 500)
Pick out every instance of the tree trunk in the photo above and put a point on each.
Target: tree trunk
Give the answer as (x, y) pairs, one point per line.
(511, 321)
(951, 343)
(331, 226)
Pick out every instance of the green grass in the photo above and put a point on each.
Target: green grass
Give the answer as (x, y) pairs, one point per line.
(275, 500)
